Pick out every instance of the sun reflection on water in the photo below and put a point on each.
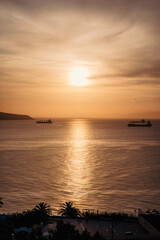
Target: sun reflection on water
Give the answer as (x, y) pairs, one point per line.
(78, 165)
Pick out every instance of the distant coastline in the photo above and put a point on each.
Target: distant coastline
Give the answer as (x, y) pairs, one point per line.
(11, 116)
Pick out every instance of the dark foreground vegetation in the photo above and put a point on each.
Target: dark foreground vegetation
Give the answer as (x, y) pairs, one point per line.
(69, 210)
(28, 224)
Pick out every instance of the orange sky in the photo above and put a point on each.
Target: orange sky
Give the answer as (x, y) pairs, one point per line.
(41, 42)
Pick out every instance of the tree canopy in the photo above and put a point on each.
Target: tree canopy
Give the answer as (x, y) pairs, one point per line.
(68, 210)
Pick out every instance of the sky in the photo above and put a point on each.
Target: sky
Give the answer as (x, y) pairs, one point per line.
(117, 42)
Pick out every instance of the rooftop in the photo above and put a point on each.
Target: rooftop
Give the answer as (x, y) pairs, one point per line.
(126, 229)
(153, 219)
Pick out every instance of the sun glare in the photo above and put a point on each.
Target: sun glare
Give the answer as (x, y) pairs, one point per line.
(79, 76)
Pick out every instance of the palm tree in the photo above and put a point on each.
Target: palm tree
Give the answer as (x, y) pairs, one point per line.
(68, 210)
(42, 209)
(1, 202)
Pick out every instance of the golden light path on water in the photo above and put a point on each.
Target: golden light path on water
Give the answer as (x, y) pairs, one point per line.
(78, 166)
(97, 164)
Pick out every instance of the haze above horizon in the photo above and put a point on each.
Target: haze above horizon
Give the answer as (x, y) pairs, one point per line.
(80, 59)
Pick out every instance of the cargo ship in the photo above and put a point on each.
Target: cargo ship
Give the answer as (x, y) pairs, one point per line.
(141, 123)
(44, 121)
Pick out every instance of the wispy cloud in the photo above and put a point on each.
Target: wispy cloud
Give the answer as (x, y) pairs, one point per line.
(41, 41)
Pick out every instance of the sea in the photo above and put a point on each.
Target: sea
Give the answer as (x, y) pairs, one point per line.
(99, 164)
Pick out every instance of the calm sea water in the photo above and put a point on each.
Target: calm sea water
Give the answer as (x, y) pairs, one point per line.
(98, 164)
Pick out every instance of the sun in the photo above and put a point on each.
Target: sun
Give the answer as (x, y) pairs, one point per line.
(79, 76)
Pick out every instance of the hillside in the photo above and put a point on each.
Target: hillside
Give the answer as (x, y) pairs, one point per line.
(10, 116)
